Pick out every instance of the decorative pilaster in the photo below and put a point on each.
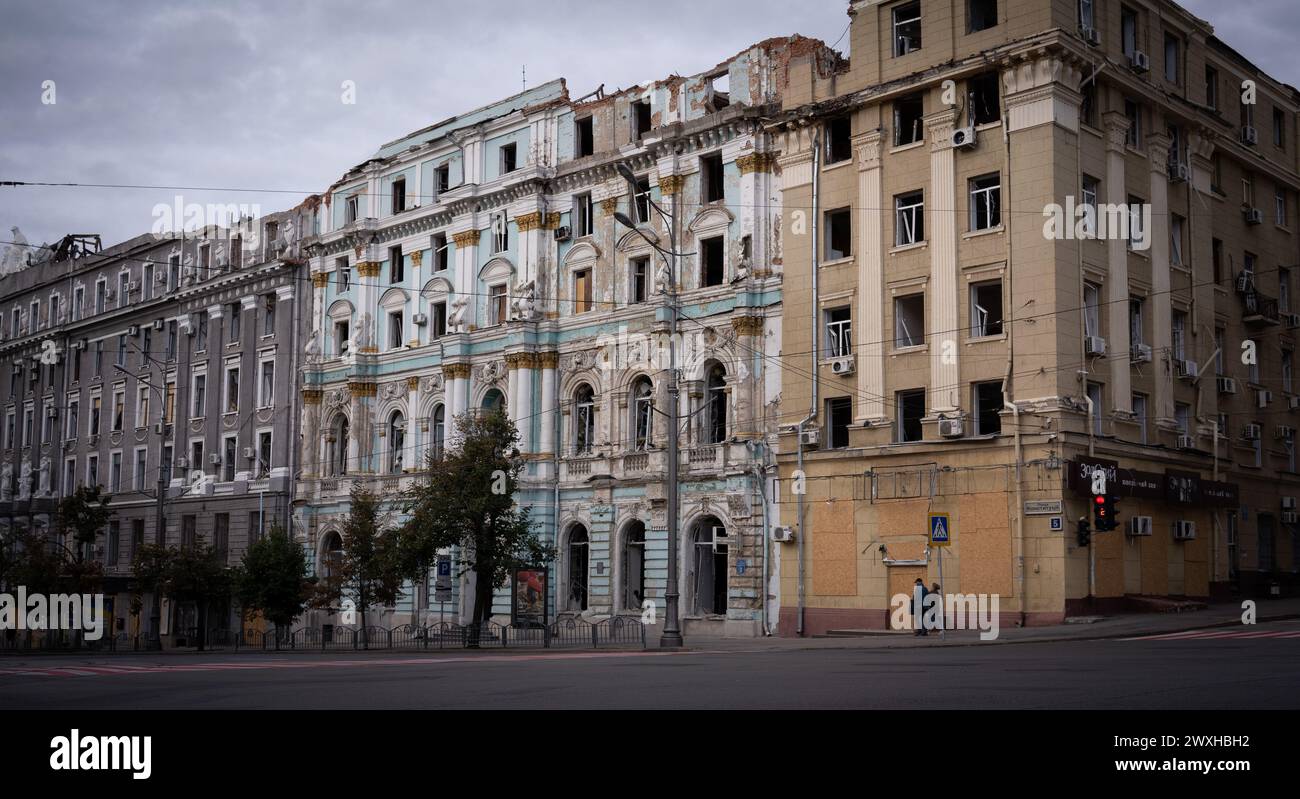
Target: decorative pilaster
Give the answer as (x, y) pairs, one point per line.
(548, 362)
(945, 374)
(1117, 292)
(1161, 307)
(868, 322)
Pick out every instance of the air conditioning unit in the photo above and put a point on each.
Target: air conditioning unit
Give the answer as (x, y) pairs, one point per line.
(133, 330)
(1245, 281)
(1139, 61)
(1139, 525)
(1094, 345)
(1250, 432)
(1184, 530)
(158, 428)
(420, 319)
(1249, 135)
(812, 437)
(183, 463)
(1185, 442)
(1090, 35)
(1283, 433)
(1254, 216)
(1179, 173)
(1292, 320)
(1288, 503)
(1227, 385)
(1290, 517)
(1187, 370)
(158, 324)
(964, 137)
(51, 412)
(842, 366)
(951, 428)
(248, 452)
(1263, 398)
(131, 286)
(1140, 353)
(215, 459)
(563, 233)
(782, 534)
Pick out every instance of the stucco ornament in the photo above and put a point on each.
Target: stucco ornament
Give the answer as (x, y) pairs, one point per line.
(6, 482)
(45, 476)
(456, 318)
(524, 305)
(432, 383)
(492, 373)
(25, 481)
(365, 336)
(312, 347)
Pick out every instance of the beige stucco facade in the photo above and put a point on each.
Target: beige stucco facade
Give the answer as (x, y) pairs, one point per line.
(1041, 352)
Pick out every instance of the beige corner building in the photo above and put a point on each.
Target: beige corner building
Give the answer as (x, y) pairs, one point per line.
(952, 346)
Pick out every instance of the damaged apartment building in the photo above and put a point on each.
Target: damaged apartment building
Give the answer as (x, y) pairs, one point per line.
(962, 356)
(478, 264)
(164, 370)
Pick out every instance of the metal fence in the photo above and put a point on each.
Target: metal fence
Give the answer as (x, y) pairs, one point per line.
(616, 631)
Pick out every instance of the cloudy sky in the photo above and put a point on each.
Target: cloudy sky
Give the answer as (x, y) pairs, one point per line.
(247, 94)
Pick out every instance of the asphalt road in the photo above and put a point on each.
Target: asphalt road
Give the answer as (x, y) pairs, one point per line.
(1186, 673)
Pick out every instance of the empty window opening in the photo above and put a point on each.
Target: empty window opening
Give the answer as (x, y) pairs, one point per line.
(839, 332)
(712, 261)
(640, 119)
(584, 140)
(634, 565)
(839, 415)
(982, 91)
(712, 189)
(716, 397)
(986, 309)
(909, 320)
(839, 234)
(839, 140)
(508, 152)
(907, 29)
(399, 195)
(909, 218)
(981, 15)
(988, 408)
(709, 567)
(910, 411)
(909, 126)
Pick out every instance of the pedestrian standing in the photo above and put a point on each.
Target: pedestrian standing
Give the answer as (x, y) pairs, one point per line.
(918, 606)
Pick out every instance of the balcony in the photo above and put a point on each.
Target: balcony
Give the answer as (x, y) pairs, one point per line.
(704, 457)
(1259, 310)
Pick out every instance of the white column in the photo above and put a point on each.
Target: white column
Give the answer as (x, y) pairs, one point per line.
(524, 390)
(548, 361)
(942, 310)
(412, 456)
(1117, 295)
(869, 321)
(1162, 310)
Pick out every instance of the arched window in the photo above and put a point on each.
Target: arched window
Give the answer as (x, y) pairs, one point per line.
(396, 442)
(576, 565)
(715, 395)
(584, 420)
(708, 563)
(338, 447)
(438, 431)
(642, 413)
(331, 556)
(494, 402)
(634, 565)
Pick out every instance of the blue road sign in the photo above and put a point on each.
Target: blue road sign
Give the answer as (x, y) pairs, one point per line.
(940, 530)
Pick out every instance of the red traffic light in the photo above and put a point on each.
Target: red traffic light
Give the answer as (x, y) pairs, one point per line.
(1100, 500)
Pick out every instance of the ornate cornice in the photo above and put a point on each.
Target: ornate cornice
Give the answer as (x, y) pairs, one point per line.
(466, 238)
(362, 388)
(527, 222)
(754, 162)
(671, 184)
(320, 280)
(747, 325)
(453, 371)
(609, 205)
(868, 148)
(548, 360)
(368, 269)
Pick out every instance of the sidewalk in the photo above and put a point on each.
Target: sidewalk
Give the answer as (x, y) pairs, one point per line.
(1227, 614)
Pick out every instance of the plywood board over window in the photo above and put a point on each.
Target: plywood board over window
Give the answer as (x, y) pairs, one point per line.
(834, 549)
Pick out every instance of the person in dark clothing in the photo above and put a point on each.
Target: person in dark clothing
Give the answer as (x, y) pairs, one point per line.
(918, 606)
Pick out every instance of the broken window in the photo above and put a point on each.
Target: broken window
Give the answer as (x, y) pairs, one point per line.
(909, 218)
(988, 408)
(343, 274)
(909, 412)
(396, 265)
(985, 202)
(986, 308)
(584, 141)
(1134, 113)
(1136, 335)
(584, 420)
(442, 178)
(839, 332)
(711, 185)
(497, 304)
(983, 96)
(1091, 313)
(641, 199)
(399, 195)
(640, 114)
(642, 414)
(839, 146)
(719, 91)
(508, 158)
(1128, 22)
(908, 125)
(583, 217)
(439, 316)
(500, 234)
(395, 330)
(839, 415)
(341, 334)
(351, 211)
(712, 261)
(576, 563)
(1212, 87)
(640, 279)
(582, 291)
(907, 29)
(909, 320)
(709, 567)
(441, 252)
(981, 15)
(634, 565)
(1179, 335)
(839, 234)
(716, 397)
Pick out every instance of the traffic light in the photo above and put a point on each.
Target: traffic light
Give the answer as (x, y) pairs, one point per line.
(1103, 511)
(1084, 535)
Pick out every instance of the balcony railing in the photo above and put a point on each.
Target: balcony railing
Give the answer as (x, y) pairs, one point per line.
(1259, 309)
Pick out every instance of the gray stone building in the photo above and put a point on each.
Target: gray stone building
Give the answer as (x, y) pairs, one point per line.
(164, 364)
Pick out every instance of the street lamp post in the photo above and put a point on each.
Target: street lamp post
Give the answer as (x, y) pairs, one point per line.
(671, 637)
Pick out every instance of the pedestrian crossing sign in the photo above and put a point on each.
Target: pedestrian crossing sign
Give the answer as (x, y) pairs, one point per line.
(940, 530)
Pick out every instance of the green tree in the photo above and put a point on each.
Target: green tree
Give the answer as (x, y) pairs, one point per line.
(466, 499)
(81, 516)
(186, 574)
(368, 573)
(272, 579)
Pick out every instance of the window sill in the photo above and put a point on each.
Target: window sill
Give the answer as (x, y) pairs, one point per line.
(902, 148)
(974, 234)
(914, 348)
(984, 339)
(828, 167)
(834, 262)
(901, 248)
